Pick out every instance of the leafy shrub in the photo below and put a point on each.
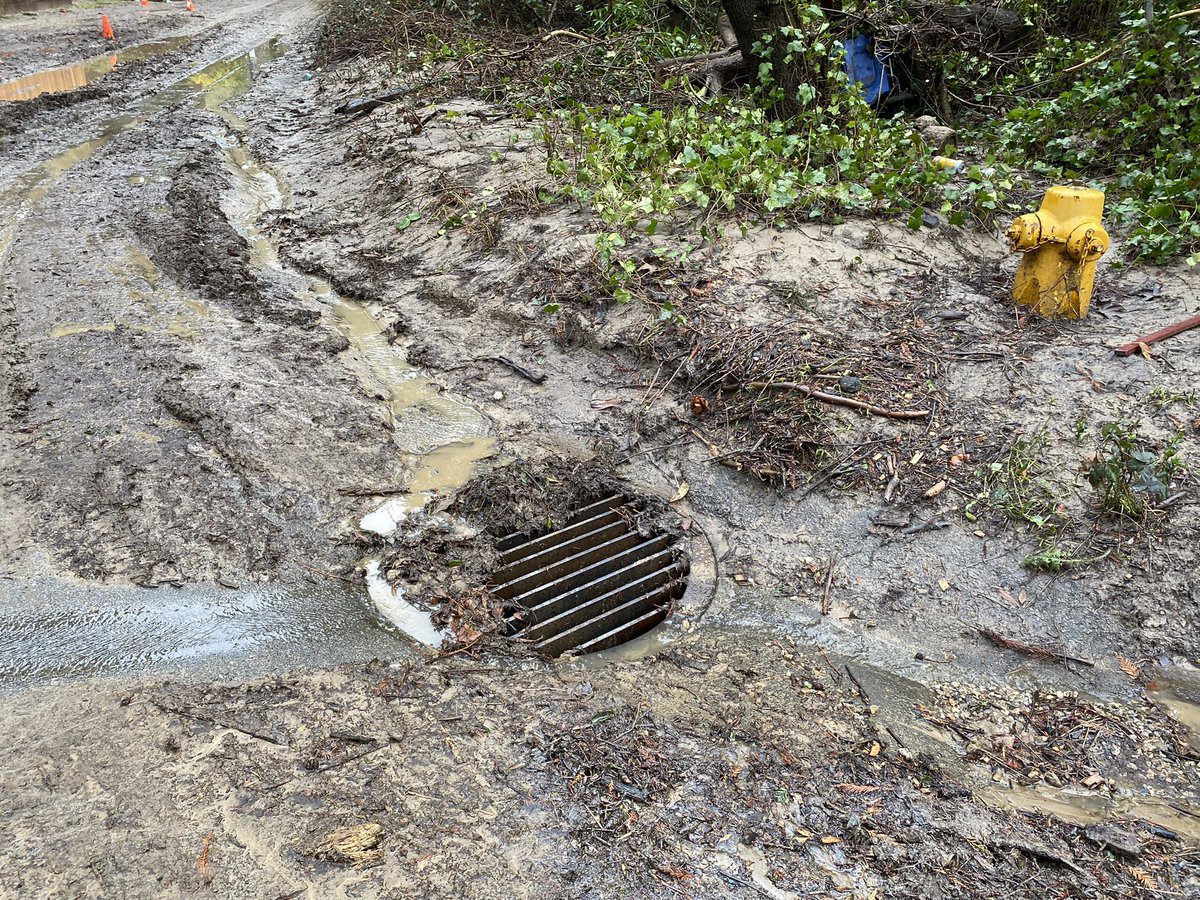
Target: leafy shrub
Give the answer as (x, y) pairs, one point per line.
(1128, 478)
(635, 162)
(1131, 119)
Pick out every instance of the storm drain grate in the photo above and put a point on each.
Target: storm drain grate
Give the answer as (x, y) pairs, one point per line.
(593, 583)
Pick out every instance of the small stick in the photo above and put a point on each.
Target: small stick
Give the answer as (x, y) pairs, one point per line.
(840, 401)
(834, 471)
(373, 491)
(527, 374)
(1031, 650)
(302, 564)
(333, 765)
(713, 449)
(564, 32)
(890, 490)
(828, 586)
(219, 723)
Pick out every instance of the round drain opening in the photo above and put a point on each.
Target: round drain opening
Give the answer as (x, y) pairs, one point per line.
(595, 582)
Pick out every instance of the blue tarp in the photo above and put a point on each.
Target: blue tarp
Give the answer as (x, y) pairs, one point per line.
(866, 68)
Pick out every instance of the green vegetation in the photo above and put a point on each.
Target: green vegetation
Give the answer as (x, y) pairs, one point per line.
(634, 164)
(1050, 95)
(1128, 478)
(1018, 486)
(1131, 121)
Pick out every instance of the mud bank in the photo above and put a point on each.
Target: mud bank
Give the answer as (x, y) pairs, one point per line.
(728, 766)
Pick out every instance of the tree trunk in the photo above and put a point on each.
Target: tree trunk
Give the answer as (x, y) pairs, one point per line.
(751, 21)
(1085, 18)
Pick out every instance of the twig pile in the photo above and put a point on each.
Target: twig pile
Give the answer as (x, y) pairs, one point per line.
(768, 388)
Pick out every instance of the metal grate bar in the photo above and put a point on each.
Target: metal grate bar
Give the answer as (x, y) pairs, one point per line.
(592, 583)
(519, 538)
(657, 600)
(558, 538)
(595, 579)
(574, 615)
(577, 562)
(623, 633)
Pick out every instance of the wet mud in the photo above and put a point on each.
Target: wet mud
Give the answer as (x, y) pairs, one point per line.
(73, 77)
(253, 427)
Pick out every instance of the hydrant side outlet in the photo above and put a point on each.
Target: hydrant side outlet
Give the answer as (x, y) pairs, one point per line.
(1060, 244)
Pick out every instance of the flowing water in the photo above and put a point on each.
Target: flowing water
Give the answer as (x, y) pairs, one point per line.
(53, 627)
(442, 438)
(60, 628)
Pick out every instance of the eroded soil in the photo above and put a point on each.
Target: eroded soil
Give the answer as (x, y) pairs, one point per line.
(221, 353)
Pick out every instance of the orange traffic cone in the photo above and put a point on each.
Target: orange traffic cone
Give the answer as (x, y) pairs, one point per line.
(145, 2)
(106, 31)
(191, 7)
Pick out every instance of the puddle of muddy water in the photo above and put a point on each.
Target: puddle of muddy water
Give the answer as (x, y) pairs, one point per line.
(144, 283)
(1079, 808)
(81, 74)
(1177, 690)
(224, 79)
(445, 438)
(897, 697)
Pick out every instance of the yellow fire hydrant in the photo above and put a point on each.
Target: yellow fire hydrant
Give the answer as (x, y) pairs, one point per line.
(1061, 243)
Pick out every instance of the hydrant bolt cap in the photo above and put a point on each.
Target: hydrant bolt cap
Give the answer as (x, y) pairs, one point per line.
(1025, 232)
(1087, 242)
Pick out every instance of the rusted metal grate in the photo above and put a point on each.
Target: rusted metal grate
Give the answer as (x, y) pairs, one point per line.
(591, 584)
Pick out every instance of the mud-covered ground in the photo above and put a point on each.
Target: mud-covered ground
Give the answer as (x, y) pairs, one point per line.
(214, 290)
(730, 765)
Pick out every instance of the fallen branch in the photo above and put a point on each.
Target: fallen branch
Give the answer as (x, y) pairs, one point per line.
(564, 32)
(383, 491)
(333, 765)
(1031, 649)
(302, 564)
(675, 62)
(837, 400)
(363, 105)
(219, 723)
(722, 71)
(1126, 38)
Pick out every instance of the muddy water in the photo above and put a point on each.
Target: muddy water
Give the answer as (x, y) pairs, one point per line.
(152, 295)
(1177, 690)
(61, 628)
(443, 438)
(896, 698)
(53, 627)
(225, 79)
(68, 78)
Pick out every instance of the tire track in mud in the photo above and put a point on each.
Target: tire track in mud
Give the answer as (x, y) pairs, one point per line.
(443, 438)
(172, 417)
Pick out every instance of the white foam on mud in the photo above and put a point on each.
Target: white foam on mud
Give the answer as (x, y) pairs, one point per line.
(393, 608)
(385, 519)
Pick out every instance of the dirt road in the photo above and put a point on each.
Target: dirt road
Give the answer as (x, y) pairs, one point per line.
(250, 349)
(178, 416)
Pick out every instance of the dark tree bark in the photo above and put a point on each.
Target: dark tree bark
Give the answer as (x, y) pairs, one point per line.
(754, 19)
(1085, 18)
